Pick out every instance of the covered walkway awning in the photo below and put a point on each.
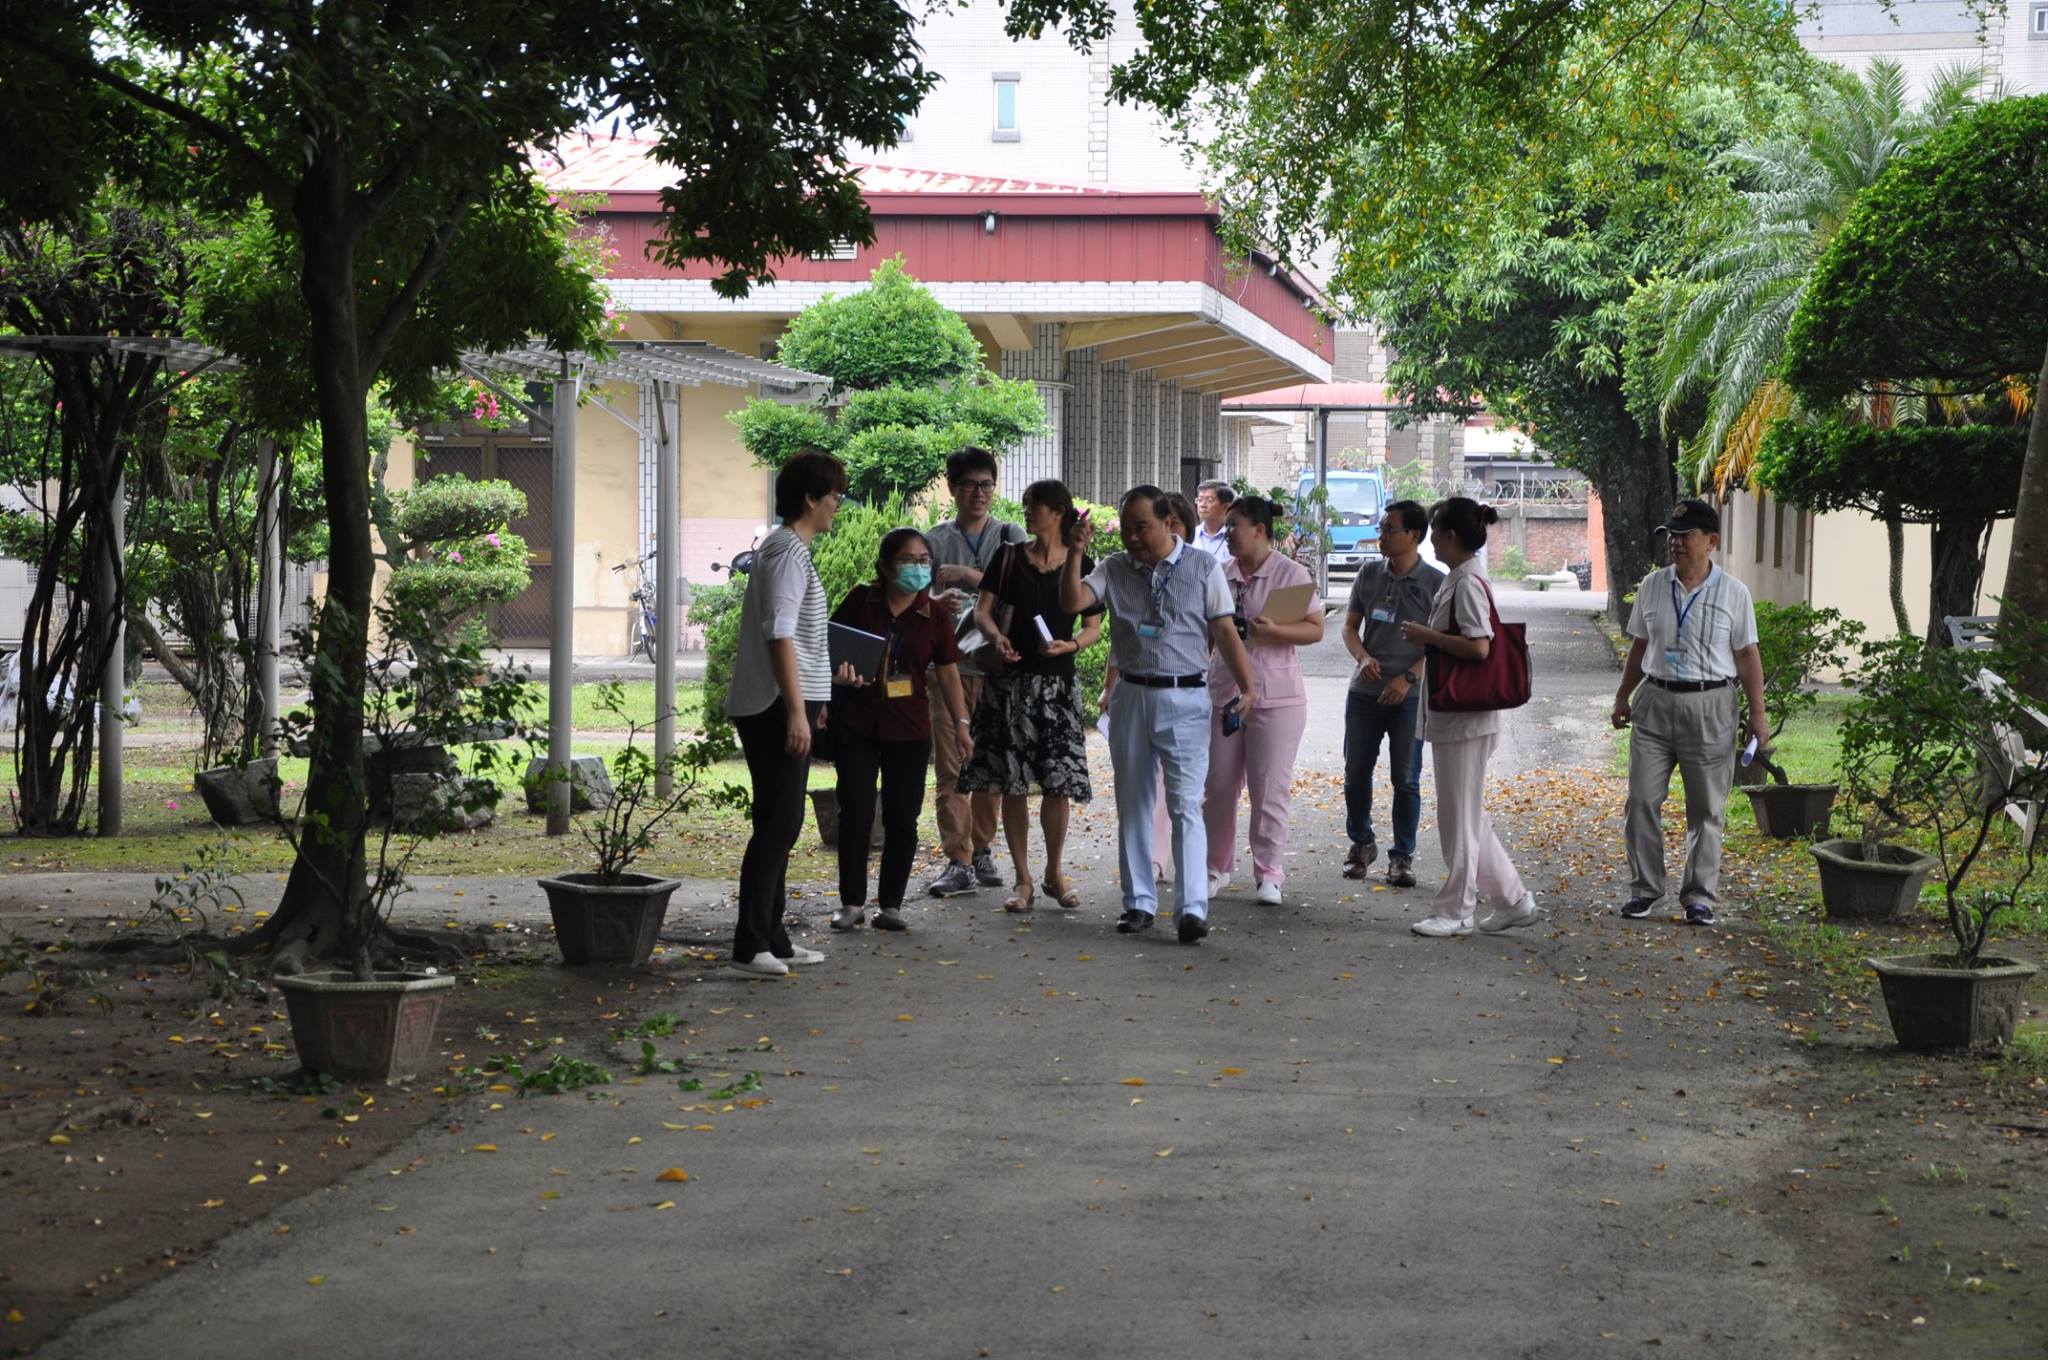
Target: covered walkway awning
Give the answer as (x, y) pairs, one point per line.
(684, 363)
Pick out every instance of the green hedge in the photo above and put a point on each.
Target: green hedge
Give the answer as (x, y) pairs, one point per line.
(1917, 472)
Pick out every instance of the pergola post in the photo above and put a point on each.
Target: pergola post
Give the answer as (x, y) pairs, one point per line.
(667, 513)
(269, 587)
(1322, 439)
(562, 620)
(113, 677)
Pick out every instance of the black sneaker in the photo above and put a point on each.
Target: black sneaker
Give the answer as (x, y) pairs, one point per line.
(1133, 921)
(1636, 908)
(956, 879)
(1699, 914)
(1192, 928)
(985, 871)
(1400, 871)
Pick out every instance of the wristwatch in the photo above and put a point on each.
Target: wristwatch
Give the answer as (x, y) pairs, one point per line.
(1411, 677)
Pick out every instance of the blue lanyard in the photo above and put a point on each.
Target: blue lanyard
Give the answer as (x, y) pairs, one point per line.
(974, 544)
(1162, 574)
(1684, 611)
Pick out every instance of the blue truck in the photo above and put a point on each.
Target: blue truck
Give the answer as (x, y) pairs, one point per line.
(1357, 499)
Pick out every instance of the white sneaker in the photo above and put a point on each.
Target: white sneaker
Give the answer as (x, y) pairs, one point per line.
(1441, 927)
(763, 964)
(1268, 895)
(801, 957)
(1507, 918)
(1217, 882)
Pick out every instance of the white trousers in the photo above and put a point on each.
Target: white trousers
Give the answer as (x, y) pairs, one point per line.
(1478, 863)
(1171, 727)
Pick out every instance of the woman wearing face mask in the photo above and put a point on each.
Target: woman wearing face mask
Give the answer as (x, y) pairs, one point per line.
(885, 728)
(1261, 754)
(1179, 520)
(1027, 728)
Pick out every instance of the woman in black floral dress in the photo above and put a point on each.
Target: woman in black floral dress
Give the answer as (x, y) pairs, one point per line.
(1027, 728)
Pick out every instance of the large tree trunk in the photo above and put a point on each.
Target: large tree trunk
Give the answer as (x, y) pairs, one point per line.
(1635, 497)
(2026, 570)
(1957, 574)
(325, 907)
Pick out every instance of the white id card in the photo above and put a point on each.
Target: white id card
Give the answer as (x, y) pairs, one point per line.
(1383, 613)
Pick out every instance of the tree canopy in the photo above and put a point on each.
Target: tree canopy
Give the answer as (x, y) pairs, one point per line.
(909, 385)
(1940, 273)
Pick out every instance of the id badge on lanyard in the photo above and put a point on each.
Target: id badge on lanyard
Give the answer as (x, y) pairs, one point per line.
(1674, 655)
(896, 686)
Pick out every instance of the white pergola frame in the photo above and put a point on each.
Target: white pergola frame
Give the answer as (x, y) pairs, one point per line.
(665, 365)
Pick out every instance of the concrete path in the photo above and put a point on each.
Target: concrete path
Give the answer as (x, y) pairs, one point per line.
(1313, 1135)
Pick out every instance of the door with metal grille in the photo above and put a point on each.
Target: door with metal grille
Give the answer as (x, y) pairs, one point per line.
(528, 464)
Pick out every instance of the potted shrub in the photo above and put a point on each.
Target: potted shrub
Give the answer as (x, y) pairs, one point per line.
(1795, 642)
(1919, 750)
(374, 1020)
(609, 914)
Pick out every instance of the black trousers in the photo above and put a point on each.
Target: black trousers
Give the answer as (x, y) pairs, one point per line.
(901, 766)
(780, 781)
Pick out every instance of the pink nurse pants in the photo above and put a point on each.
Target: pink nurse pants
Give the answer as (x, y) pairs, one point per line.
(1261, 757)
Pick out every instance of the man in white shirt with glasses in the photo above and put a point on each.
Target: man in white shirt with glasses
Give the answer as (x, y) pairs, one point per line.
(1694, 639)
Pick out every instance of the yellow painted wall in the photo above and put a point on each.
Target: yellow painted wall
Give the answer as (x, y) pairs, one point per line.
(1852, 570)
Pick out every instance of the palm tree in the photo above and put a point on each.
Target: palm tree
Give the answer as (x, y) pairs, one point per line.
(1727, 333)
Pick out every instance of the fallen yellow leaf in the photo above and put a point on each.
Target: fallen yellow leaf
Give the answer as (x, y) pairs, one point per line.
(1132, 1081)
(906, 1017)
(1555, 1062)
(666, 1204)
(258, 1178)
(673, 1128)
(1163, 1152)
(316, 1280)
(856, 1208)
(674, 1174)
(15, 1317)
(212, 1204)
(1232, 1071)
(550, 1194)
(634, 1139)
(59, 1139)
(485, 1147)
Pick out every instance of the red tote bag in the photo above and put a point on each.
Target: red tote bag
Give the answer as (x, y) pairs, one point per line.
(1500, 681)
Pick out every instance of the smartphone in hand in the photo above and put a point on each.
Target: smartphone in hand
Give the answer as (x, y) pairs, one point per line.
(1233, 721)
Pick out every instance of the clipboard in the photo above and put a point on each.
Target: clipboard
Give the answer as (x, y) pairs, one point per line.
(1290, 604)
(856, 647)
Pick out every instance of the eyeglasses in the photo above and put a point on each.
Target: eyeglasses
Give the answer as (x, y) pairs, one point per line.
(1683, 536)
(981, 484)
(924, 561)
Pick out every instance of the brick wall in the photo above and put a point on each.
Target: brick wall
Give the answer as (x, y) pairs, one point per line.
(1549, 539)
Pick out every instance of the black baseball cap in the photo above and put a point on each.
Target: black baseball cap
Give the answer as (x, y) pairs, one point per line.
(1689, 515)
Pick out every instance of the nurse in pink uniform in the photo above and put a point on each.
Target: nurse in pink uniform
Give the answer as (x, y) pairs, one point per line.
(1260, 754)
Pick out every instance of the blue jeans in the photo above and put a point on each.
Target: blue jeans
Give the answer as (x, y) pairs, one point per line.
(1367, 722)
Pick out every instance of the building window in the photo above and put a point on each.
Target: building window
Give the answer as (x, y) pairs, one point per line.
(1799, 545)
(1778, 536)
(1006, 106)
(2037, 23)
(1761, 498)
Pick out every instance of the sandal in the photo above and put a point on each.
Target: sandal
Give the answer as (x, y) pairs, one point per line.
(1067, 895)
(1020, 901)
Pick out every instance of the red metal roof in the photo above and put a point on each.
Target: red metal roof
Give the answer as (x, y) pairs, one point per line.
(626, 170)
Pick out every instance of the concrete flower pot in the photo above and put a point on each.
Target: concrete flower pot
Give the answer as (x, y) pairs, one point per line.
(1936, 1004)
(1855, 889)
(1791, 811)
(381, 1030)
(825, 807)
(608, 923)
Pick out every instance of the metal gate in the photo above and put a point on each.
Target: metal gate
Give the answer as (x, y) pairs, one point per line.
(528, 464)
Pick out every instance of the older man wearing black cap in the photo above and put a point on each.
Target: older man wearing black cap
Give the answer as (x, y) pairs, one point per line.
(1694, 631)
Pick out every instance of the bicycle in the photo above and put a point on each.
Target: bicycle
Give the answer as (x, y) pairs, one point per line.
(642, 626)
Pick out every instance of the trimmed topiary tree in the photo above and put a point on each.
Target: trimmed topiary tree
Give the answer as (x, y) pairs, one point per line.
(1958, 479)
(908, 388)
(1939, 276)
